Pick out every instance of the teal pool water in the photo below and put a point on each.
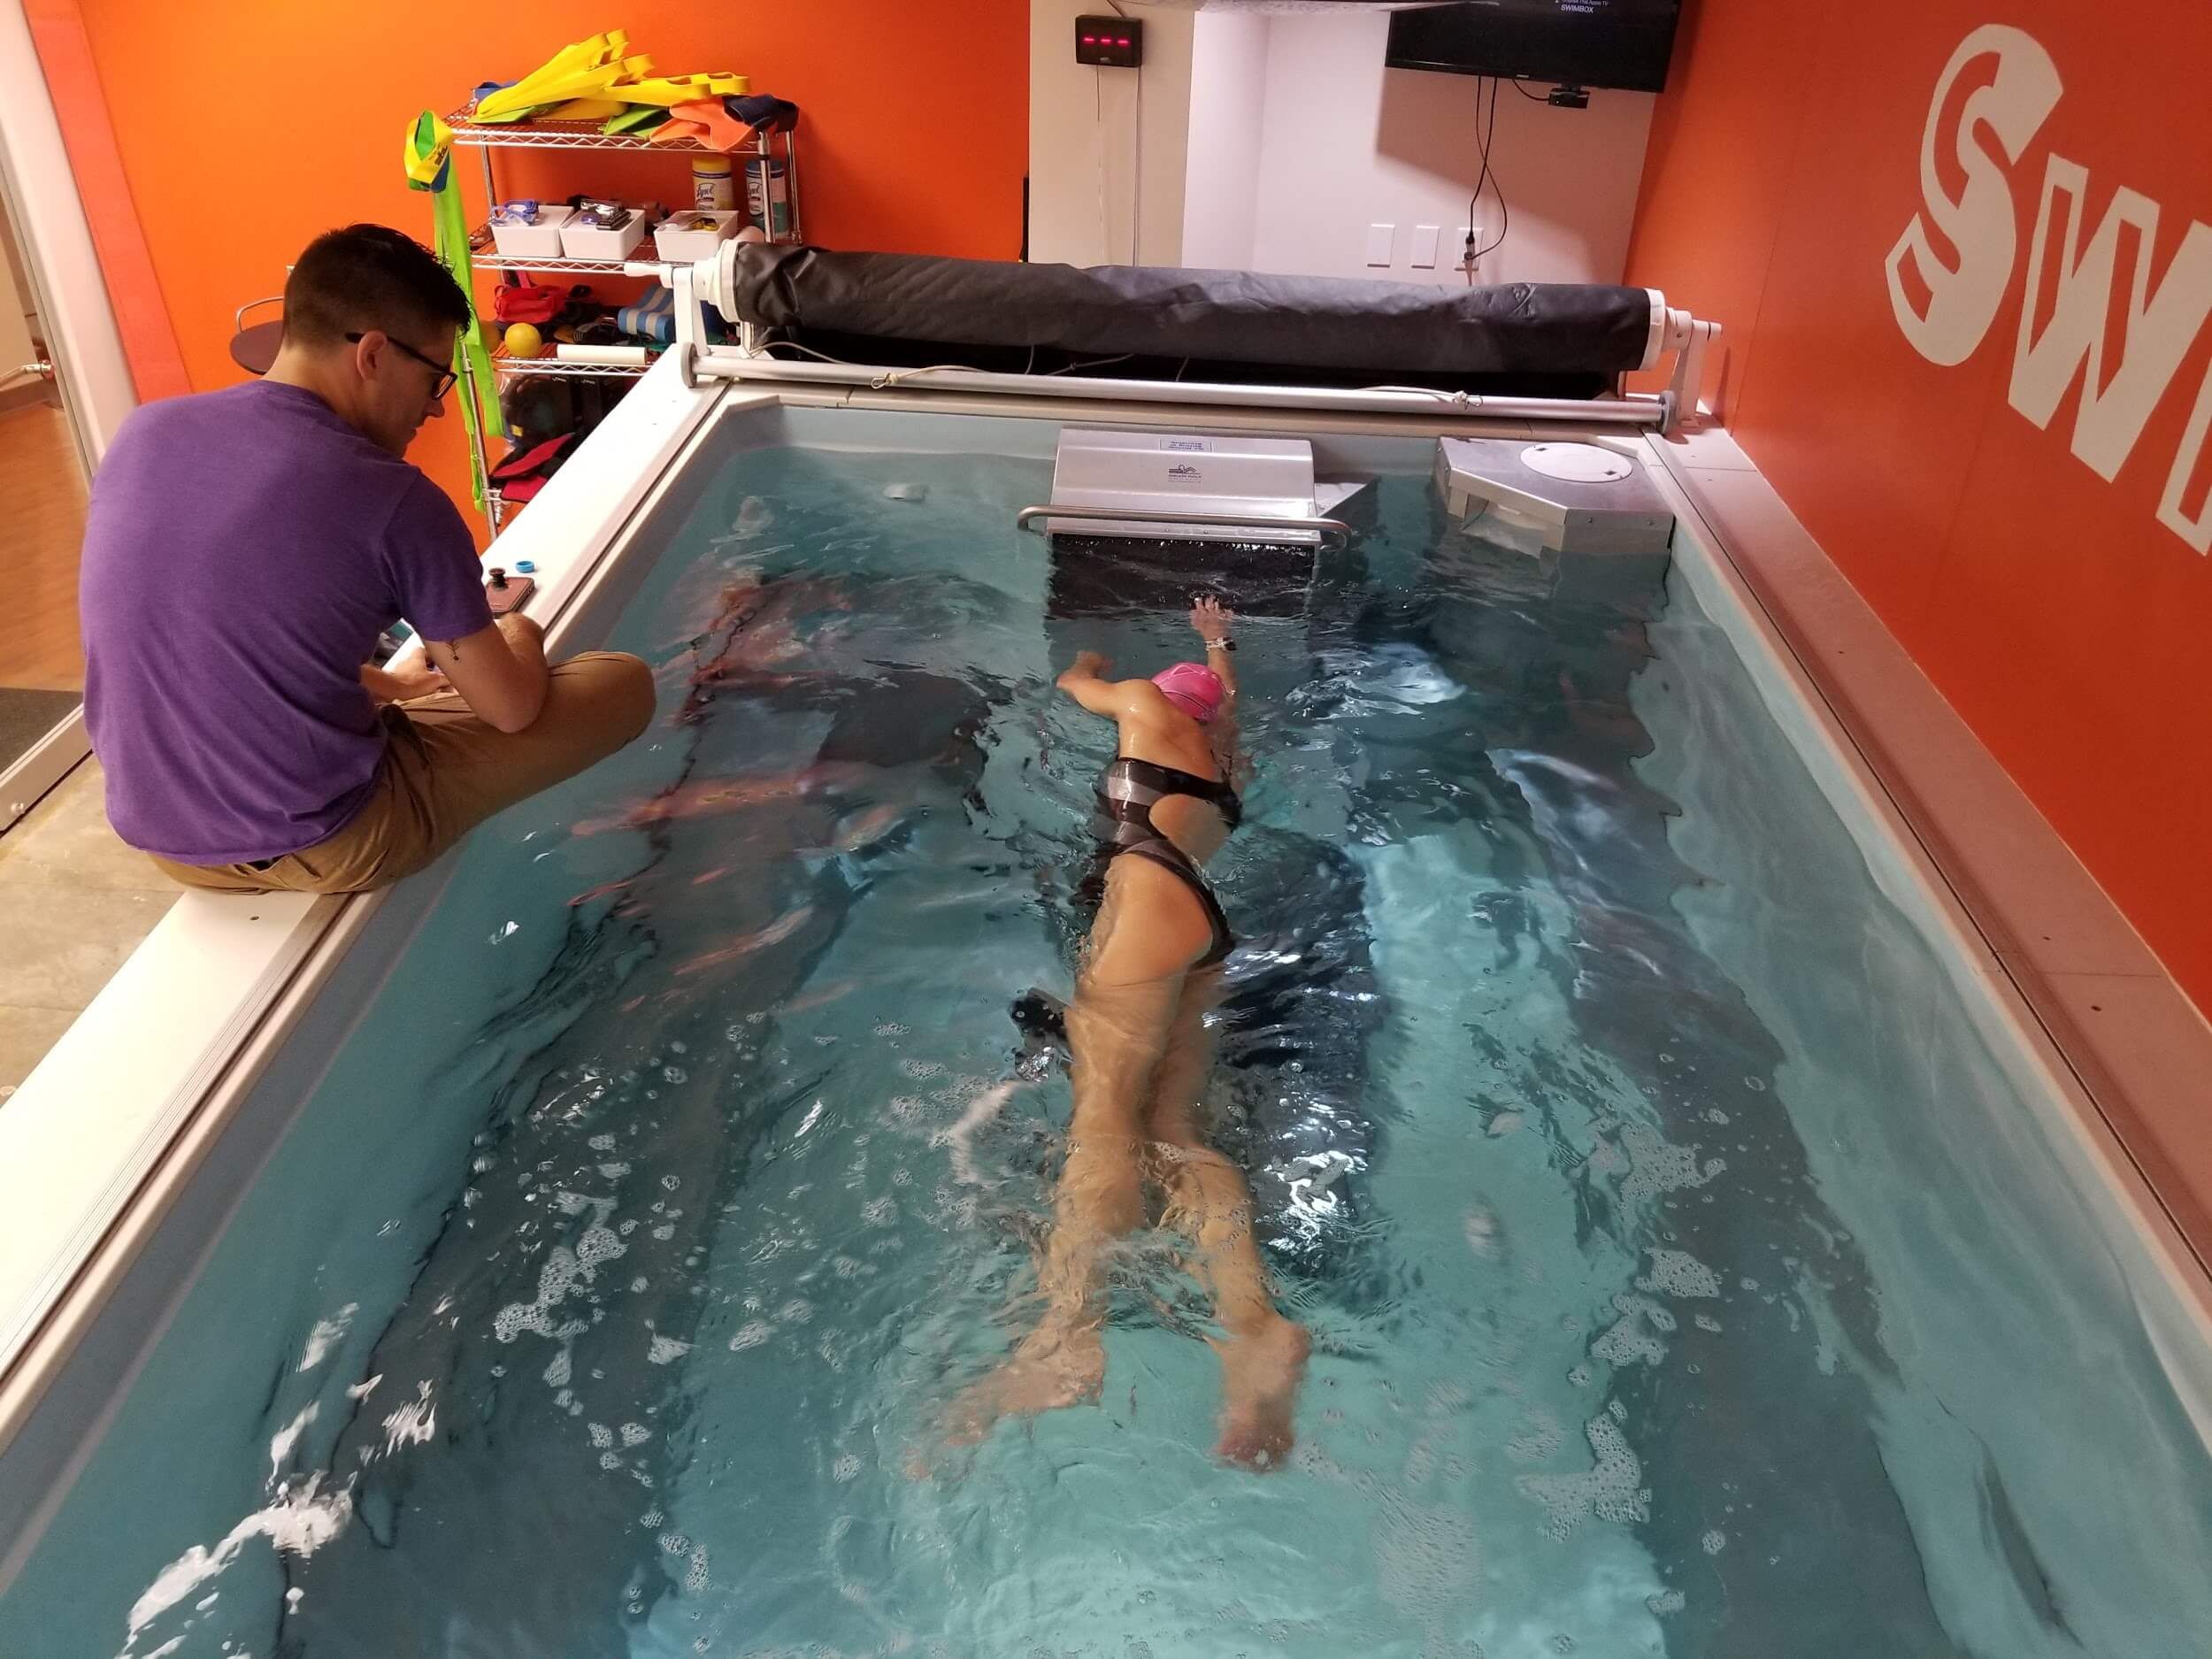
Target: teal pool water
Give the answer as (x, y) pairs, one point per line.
(1687, 1272)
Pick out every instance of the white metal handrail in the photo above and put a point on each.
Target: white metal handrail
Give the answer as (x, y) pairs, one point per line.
(1028, 516)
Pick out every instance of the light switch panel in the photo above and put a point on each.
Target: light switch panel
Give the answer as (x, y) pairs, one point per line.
(1381, 239)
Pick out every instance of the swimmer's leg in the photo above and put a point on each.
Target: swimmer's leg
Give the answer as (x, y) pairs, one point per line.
(1263, 1353)
(1149, 931)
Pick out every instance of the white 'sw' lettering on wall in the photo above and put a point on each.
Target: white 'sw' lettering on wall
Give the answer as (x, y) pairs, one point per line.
(1947, 308)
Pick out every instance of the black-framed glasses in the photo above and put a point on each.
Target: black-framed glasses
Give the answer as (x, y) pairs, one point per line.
(446, 376)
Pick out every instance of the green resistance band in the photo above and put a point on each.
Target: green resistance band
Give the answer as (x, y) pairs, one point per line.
(430, 167)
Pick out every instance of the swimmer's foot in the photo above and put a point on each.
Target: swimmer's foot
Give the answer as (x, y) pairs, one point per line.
(1260, 1374)
(1057, 1364)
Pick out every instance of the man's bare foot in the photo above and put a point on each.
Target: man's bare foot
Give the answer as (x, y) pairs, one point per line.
(1055, 1365)
(1260, 1375)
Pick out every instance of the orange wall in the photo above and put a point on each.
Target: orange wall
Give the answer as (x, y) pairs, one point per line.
(245, 127)
(2061, 618)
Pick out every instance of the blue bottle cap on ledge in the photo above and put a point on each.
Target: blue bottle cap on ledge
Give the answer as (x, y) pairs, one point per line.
(525, 567)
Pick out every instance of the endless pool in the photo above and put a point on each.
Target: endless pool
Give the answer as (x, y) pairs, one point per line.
(1697, 1264)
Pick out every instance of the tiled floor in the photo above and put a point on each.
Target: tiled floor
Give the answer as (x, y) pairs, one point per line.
(74, 902)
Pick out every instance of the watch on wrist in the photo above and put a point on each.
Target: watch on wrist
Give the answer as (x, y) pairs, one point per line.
(1225, 644)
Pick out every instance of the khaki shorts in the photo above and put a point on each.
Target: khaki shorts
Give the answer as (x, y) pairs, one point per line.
(446, 771)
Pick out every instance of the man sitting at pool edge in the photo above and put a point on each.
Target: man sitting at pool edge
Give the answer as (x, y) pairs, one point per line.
(243, 550)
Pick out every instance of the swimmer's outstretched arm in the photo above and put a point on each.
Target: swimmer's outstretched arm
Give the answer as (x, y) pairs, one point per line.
(1084, 680)
(1210, 619)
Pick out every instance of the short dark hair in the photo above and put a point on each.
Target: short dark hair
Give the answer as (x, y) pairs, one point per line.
(365, 277)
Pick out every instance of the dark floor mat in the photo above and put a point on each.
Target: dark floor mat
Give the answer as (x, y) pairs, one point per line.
(28, 716)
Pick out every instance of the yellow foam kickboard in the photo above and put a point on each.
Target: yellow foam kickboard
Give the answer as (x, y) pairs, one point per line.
(578, 71)
(669, 90)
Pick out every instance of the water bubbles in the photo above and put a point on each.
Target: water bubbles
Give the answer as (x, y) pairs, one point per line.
(601, 1434)
(1611, 1491)
(635, 1434)
(599, 1244)
(1626, 1343)
(751, 1334)
(696, 1570)
(1713, 1541)
(1706, 1322)
(1664, 1602)
(846, 1468)
(891, 1029)
(673, 1543)
(1656, 1165)
(1677, 1273)
(662, 1350)
(614, 1172)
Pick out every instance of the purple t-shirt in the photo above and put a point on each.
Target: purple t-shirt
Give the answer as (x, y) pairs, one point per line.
(243, 551)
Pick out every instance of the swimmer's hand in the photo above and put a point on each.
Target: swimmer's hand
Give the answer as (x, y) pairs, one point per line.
(1211, 620)
(1092, 663)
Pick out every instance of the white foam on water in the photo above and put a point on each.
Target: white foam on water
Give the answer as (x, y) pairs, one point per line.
(1613, 1490)
(664, 1348)
(297, 1523)
(413, 1424)
(326, 1333)
(281, 1443)
(1678, 1273)
(1657, 1166)
(751, 1334)
(1626, 1343)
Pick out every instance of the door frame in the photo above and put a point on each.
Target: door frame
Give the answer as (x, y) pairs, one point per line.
(38, 192)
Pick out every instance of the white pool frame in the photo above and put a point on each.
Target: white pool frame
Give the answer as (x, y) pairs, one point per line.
(123, 1154)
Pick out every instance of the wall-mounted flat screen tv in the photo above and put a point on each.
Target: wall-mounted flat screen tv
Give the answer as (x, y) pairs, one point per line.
(1618, 44)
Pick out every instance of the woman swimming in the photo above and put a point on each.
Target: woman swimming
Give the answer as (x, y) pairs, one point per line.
(1140, 1056)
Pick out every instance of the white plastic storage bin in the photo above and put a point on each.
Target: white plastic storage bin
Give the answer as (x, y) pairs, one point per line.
(582, 239)
(517, 238)
(693, 235)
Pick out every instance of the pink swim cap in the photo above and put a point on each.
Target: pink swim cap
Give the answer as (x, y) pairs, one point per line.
(1192, 687)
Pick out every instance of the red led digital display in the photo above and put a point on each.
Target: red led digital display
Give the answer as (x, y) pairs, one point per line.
(1110, 42)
